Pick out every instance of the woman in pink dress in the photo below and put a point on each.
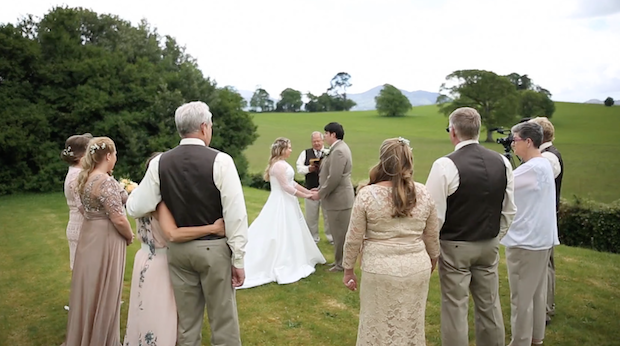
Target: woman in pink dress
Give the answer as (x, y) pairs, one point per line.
(75, 147)
(97, 282)
(152, 318)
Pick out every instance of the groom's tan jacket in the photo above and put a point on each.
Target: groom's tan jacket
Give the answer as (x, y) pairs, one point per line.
(335, 187)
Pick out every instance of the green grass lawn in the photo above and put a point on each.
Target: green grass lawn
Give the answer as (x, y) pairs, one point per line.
(587, 135)
(319, 310)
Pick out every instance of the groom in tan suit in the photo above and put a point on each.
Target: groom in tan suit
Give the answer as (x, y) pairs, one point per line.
(335, 189)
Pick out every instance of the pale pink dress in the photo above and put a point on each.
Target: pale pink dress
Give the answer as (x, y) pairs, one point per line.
(152, 318)
(75, 216)
(97, 281)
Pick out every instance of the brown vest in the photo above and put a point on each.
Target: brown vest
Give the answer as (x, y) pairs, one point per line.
(558, 180)
(187, 186)
(312, 178)
(474, 209)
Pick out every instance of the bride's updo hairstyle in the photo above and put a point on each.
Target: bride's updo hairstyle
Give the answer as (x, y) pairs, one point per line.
(278, 148)
(96, 152)
(396, 165)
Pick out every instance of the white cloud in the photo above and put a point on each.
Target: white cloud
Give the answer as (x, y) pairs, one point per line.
(411, 44)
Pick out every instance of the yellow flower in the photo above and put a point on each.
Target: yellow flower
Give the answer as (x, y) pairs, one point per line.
(130, 187)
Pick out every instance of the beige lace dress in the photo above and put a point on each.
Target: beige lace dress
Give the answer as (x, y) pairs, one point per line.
(395, 265)
(75, 214)
(96, 285)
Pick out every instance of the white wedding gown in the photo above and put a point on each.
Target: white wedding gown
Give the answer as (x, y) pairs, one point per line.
(280, 247)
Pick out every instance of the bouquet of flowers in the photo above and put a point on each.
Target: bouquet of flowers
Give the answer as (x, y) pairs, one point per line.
(128, 185)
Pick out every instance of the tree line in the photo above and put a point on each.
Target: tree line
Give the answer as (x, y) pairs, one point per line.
(332, 100)
(75, 71)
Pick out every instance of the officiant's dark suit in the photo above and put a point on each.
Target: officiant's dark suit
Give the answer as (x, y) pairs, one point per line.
(336, 189)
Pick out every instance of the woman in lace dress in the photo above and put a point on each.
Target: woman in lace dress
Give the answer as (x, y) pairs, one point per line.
(280, 247)
(394, 225)
(96, 286)
(152, 318)
(75, 147)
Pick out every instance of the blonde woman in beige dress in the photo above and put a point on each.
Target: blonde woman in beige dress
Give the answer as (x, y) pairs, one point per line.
(96, 286)
(152, 318)
(75, 148)
(394, 226)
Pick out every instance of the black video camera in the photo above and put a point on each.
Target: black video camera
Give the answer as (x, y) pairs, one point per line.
(505, 141)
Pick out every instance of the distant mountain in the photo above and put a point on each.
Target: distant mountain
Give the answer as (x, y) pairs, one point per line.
(366, 100)
(595, 101)
(247, 95)
(599, 102)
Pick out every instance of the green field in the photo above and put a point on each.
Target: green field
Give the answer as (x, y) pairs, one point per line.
(587, 135)
(319, 310)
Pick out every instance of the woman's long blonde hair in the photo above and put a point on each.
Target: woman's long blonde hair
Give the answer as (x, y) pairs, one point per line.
(396, 165)
(96, 152)
(277, 152)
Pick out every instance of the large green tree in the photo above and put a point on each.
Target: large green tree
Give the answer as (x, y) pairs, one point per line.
(340, 83)
(76, 71)
(609, 102)
(260, 100)
(494, 97)
(391, 102)
(534, 100)
(290, 101)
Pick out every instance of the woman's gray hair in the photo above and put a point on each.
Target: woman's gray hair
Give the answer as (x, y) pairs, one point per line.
(529, 130)
(190, 116)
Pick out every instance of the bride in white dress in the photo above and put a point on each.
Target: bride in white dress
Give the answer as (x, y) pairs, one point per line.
(280, 247)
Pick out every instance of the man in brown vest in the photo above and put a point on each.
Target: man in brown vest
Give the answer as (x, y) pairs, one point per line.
(473, 191)
(199, 185)
(308, 165)
(551, 153)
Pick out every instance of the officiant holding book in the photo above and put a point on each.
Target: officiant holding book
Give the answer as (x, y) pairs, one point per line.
(308, 164)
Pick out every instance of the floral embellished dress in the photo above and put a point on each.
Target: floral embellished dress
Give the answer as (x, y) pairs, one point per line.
(97, 282)
(152, 319)
(396, 265)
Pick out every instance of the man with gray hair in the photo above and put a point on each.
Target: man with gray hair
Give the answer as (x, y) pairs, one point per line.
(473, 191)
(308, 164)
(199, 185)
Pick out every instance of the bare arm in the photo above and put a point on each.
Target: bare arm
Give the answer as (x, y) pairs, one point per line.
(176, 234)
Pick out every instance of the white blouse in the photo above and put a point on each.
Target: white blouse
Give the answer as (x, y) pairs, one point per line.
(535, 224)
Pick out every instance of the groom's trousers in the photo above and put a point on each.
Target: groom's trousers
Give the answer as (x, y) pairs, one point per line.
(338, 226)
(200, 272)
(466, 267)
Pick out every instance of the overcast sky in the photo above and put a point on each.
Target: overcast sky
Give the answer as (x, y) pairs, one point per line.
(569, 47)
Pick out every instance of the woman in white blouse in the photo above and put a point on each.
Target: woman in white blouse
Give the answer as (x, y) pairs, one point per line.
(531, 236)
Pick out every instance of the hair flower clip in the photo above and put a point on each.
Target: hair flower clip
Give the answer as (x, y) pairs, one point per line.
(67, 152)
(94, 147)
(404, 141)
